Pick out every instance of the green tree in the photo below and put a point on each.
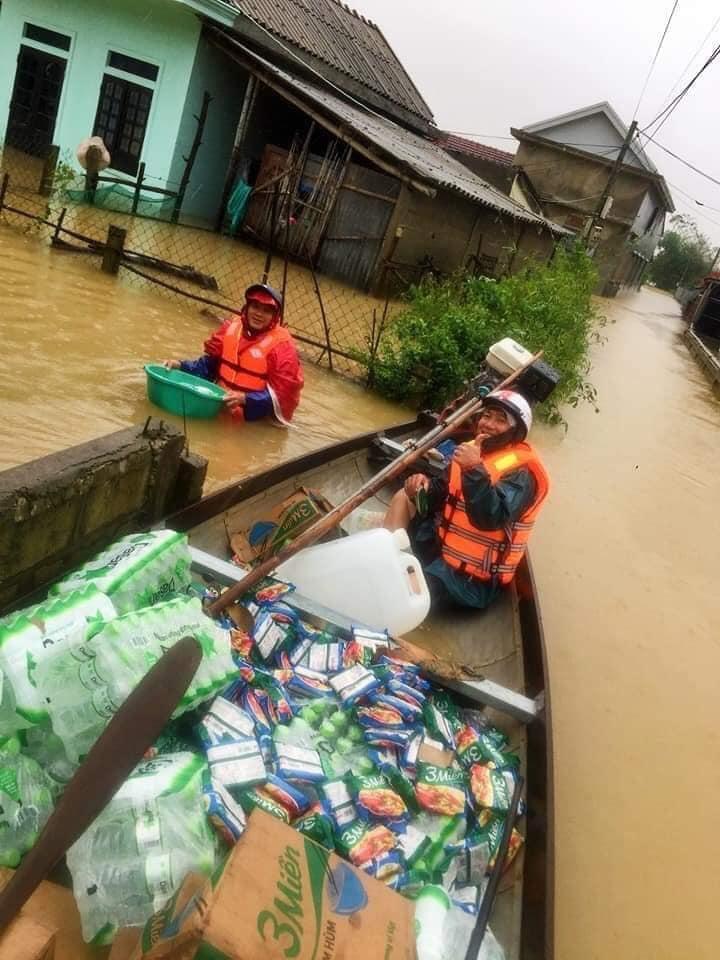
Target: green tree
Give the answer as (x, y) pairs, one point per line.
(684, 255)
(439, 340)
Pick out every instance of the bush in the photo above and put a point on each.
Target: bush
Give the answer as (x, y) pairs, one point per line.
(437, 343)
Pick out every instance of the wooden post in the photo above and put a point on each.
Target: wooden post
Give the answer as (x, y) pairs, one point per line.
(58, 225)
(114, 248)
(273, 230)
(48, 173)
(3, 189)
(232, 172)
(190, 160)
(326, 326)
(138, 188)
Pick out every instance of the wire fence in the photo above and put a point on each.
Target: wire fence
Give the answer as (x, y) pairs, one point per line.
(131, 230)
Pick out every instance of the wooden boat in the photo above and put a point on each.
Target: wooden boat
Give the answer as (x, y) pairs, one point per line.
(496, 657)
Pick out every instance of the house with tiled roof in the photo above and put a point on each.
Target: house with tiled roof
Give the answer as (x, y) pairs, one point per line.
(291, 123)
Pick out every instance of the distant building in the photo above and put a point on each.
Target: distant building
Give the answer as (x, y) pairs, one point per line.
(568, 159)
(308, 101)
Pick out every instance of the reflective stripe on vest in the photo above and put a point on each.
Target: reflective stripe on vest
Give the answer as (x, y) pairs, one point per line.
(488, 554)
(244, 361)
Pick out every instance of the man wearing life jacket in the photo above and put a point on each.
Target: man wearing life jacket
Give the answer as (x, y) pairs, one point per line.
(254, 359)
(473, 525)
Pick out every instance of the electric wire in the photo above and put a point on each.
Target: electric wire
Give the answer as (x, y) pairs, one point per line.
(655, 58)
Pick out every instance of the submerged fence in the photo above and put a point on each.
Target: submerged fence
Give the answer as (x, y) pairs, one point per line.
(139, 237)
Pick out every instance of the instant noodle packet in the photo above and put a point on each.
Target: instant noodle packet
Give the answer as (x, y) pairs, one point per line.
(360, 842)
(440, 789)
(317, 825)
(491, 788)
(375, 799)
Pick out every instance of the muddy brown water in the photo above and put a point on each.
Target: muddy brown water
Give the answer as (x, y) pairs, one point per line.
(626, 558)
(73, 347)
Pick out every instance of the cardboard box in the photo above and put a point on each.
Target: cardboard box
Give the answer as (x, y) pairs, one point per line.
(54, 908)
(282, 524)
(281, 896)
(27, 939)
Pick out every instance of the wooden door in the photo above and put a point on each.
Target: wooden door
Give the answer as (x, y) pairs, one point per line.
(35, 101)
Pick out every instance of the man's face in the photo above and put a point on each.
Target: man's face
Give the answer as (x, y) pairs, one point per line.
(491, 422)
(259, 315)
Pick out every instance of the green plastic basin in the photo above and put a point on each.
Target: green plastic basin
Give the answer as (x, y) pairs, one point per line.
(183, 394)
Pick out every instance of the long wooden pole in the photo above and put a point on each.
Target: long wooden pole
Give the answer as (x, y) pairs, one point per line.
(369, 489)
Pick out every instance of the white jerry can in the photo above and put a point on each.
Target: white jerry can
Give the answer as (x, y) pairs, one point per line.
(368, 577)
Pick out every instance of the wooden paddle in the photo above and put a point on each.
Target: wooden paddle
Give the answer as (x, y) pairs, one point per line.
(131, 731)
(327, 523)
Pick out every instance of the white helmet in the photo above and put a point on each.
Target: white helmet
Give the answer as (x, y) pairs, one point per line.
(515, 404)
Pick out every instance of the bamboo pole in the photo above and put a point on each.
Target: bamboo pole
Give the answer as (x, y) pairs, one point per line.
(367, 490)
(190, 160)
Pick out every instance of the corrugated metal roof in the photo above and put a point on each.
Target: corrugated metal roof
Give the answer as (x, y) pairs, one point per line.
(340, 37)
(471, 148)
(424, 159)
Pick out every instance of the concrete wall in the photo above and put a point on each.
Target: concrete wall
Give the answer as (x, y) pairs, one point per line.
(162, 32)
(57, 511)
(225, 81)
(570, 187)
(454, 231)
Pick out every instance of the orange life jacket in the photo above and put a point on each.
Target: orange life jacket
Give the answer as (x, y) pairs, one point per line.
(488, 554)
(244, 360)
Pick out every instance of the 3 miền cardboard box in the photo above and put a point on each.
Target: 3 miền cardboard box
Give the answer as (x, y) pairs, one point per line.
(281, 897)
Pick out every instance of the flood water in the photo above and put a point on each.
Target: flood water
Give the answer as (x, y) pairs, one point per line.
(625, 556)
(74, 342)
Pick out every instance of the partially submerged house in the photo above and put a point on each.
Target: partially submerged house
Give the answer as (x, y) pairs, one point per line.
(308, 106)
(569, 158)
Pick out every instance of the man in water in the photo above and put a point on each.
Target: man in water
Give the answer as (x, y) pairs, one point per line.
(470, 528)
(254, 359)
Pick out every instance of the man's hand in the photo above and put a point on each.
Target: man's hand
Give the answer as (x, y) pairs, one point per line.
(234, 398)
(418, 481)
(171, 364)
(468, 456)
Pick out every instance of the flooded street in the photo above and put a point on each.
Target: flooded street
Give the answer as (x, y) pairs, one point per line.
(625, 556)
(626, 560)
(74, 345)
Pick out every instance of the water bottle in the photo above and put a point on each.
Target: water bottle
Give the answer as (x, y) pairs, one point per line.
(25, 803)
(140, 848)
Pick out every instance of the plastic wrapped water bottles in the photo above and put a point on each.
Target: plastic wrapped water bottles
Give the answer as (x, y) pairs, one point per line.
(140, 848)
(25, 803)
(83, 686)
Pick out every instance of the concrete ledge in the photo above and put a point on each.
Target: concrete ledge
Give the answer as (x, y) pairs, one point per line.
(709, 361)
(57, 511)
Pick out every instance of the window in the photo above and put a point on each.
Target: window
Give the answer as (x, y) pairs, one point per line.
(119, 61)
(121, 121)
(47, 37)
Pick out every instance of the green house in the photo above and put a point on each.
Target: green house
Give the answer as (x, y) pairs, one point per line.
(306, 95)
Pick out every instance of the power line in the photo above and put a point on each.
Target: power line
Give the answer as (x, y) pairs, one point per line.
(682, 160)
(667, 111)
(655, 58)
(699, 203)
(694, 57)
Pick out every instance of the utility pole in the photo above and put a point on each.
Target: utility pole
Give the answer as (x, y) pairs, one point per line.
(598, 215)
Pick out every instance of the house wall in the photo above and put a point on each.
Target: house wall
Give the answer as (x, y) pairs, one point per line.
(594, 134)
(162, 32)
(226, 82)
(570, 188)
(455, 232)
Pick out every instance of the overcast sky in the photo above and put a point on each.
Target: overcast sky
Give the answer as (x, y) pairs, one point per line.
(484, 67)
